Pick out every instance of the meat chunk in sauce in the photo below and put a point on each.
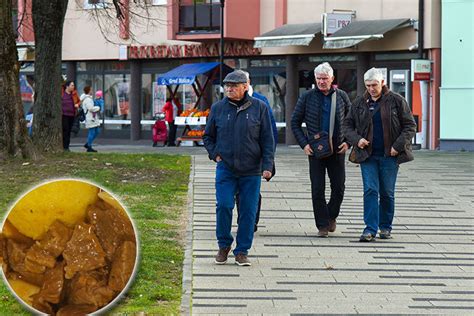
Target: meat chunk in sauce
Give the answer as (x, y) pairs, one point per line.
(53, 285)
(90, 288)
(112, 227)
(76, 310)
(122, 266)
(83, 251)
(44, 252)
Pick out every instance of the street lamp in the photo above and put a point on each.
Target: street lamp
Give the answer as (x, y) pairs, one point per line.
(221, 55)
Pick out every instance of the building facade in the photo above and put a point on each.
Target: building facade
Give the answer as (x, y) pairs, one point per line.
(457, 85)
(279, 42)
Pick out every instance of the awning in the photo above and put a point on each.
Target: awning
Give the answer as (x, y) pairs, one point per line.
(289, 34)
(186, 74)
(359, 31)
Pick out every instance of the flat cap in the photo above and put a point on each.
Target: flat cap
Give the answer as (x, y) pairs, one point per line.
(236, 76)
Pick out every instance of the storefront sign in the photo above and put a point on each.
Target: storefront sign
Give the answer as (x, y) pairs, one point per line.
(201, 50)
(420, 69)
(333, 22)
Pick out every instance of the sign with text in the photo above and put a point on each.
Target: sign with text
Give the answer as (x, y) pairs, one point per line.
(333, 22)
(420, 69)
(201, 50)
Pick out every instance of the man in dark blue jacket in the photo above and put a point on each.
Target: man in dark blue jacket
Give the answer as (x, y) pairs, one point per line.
(314, 108)
(239, 138)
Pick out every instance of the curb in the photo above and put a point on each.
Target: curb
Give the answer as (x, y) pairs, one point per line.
(188, 249)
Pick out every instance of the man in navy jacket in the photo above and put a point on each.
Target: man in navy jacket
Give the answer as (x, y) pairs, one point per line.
(238, 137)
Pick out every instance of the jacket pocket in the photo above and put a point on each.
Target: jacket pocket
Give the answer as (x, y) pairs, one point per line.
(253, 127)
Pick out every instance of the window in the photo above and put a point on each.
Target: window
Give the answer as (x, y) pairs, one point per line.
(159, 2)
(95, 4)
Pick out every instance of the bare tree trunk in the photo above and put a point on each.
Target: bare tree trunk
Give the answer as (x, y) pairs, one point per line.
(48, 20)
(14, 138)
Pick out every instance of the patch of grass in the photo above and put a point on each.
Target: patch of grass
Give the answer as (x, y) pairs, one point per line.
(152, 187)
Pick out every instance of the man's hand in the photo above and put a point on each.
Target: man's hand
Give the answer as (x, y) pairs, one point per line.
(267, 174)
(307, 150)
(393, 152)
(363, 143)
(343, 148)
(218, 158)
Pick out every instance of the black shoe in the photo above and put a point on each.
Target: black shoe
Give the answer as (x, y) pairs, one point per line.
(367, 237)
(91, 150)
(155, 144)
(86, 146)
(255, 228)
(67, 150)
(385, 234)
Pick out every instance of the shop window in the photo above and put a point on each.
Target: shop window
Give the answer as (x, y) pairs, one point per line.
(116, 97)
(94, 81)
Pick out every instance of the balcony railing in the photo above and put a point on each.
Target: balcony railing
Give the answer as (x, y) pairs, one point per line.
(199, 18)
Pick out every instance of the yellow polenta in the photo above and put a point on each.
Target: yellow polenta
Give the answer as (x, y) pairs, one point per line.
(65, 200)
(24, 290)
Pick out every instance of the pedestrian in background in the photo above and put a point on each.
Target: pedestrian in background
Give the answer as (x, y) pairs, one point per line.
(92, 121)
(70, 102)
(238, 137)
(171, 111)
(263, 98)
(315, 109)
(99, 101)
(380, 127)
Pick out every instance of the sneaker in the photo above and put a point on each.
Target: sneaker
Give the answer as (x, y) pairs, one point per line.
(332, 225)
(323, 232)
(222, 254)
(242, 260)
(385, 234)
(91, 150)
(367, 237)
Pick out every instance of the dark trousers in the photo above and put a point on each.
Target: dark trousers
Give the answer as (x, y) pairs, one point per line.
(334, 165)
(68, 121)
(171, 133)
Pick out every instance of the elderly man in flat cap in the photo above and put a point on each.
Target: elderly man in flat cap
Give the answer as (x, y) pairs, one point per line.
(239, 139)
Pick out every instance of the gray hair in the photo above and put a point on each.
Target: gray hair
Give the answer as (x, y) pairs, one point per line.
(373, 74)
(324, 68)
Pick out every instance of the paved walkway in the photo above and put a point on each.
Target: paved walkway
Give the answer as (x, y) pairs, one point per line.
(427, 268)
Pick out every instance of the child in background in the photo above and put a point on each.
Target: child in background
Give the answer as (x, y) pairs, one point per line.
(99, 101)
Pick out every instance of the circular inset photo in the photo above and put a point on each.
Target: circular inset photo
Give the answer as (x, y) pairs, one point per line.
(68, 247)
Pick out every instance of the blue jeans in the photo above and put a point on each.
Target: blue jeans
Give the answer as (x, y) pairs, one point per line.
(227, 185)
(91, 135)
(379, 175)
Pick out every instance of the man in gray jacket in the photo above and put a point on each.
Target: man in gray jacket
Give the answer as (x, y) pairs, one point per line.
(380, 127)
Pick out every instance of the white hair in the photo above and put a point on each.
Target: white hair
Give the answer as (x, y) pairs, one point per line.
(246, 74)
(373, 74)
(324, 68)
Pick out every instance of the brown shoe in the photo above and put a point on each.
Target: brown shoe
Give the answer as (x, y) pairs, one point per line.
(323, 232)
(242, 260)
(222, 254)
(332, 225)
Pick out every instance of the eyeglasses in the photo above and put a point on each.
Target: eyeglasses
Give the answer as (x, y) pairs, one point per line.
(232, 85)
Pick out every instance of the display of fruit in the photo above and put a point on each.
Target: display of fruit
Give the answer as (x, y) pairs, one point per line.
(195, 133)
(195, 113)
